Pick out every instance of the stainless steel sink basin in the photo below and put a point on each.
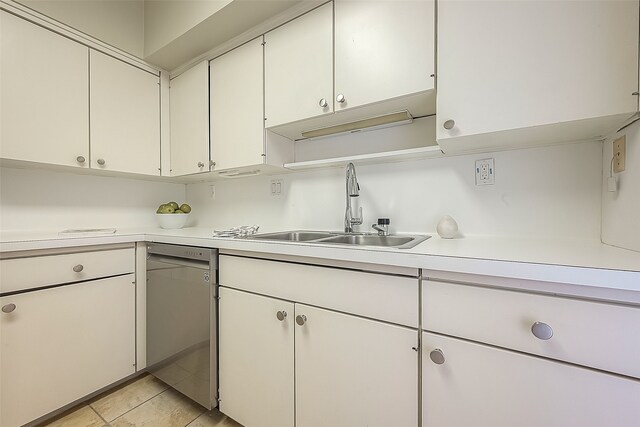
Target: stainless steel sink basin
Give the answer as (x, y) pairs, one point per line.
(335, 238)
(369, 240)
(293, 236)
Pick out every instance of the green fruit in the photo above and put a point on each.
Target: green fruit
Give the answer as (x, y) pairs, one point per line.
(167, 209)
(185, 208)
(179, 211)
(174, 205)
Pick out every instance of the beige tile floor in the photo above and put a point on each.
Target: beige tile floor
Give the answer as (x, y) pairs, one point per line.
(143, 402)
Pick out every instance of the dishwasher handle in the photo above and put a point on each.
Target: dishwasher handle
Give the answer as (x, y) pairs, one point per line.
(181, 262)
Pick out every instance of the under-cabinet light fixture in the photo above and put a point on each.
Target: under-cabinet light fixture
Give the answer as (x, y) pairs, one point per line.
(378, 122)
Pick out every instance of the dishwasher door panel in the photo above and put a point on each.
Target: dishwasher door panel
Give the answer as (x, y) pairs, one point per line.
(181, 321)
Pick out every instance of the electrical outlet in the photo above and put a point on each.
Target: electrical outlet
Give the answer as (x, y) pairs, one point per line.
(485, 172)
(212, 191)
(619, 154)
(277, 187)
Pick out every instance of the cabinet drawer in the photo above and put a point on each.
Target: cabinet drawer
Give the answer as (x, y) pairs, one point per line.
(18, 274)
(379, 296)
(594, 334)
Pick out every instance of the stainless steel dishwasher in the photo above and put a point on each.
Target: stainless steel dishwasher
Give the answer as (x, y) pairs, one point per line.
(182, 309)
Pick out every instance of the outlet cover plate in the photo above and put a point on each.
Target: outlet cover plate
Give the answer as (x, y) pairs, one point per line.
(277, 187)
(485, 172)
(619, 154)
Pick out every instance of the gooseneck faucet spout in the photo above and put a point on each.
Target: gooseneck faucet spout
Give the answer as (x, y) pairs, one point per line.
(352, 190)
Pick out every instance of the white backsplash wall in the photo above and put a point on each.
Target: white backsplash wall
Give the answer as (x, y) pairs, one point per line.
(34, 199)
(541, 192)
(621, 210)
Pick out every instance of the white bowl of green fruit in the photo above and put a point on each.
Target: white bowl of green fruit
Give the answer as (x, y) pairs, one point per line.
(171, 215)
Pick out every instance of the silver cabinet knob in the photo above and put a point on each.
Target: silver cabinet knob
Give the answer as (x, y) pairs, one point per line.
(301, 319)
(78, 268)
(81, 159)
(437, 356)
(542, 331)
(101, 162)
(212, 163)
(8, 308)
(281, 315)
(449, 124)
(323, 103)
(340, 98)
(200, 164)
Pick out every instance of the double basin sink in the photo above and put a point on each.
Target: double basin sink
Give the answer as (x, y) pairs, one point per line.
(351, 239)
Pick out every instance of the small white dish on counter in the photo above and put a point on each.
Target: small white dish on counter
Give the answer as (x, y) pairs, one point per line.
(171, 221)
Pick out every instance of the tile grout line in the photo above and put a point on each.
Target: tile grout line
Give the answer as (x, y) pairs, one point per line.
(98, 414)
(140, 404)
(197, 416)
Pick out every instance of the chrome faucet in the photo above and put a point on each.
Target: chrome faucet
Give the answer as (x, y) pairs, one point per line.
(353, 190)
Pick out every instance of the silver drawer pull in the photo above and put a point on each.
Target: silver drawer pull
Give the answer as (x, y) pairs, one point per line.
(8, 308)
(542, 331)
(78, 268)
(449, 124)
(281, 315)
(301, 319)
(437, 356)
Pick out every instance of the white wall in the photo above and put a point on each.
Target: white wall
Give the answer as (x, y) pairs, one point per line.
(166, 20)
(119, 23)
(541, 192)
(621, 210)
(32, 199)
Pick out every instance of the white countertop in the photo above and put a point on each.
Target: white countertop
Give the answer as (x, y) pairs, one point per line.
(588, 263)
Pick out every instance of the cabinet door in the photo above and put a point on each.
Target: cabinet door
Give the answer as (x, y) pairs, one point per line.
(512, 65)
(352, 371)
(256, 359)
(237, 107)
(189, 105)
(482, 386)
(125, 117)
(299, 68)
(63, 343)
(44, 107)
(384, 49)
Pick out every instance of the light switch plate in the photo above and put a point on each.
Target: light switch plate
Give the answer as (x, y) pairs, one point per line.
(619, 154)
(485, 172)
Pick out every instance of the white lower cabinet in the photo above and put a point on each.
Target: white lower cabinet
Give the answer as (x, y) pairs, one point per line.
(352, 371)
(63, 343)
(349, 371)
(256, 359)
(482, 386)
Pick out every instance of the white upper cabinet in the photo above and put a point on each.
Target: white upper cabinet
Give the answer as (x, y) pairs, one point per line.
(189, 106)
(384, 63)
(299, 68)
(383, 50)
(237, 112)
(125, 117)
(528, 72)
(44, 107)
